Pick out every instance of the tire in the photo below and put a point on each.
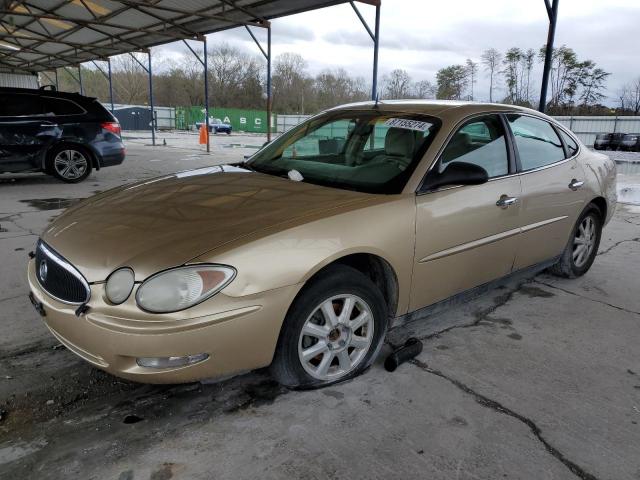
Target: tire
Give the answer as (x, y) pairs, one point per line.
(69, 163)
(228, 132)
(342, 352)
(573, 264)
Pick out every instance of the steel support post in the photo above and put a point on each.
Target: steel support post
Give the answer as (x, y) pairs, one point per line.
(205, 64)
(376, 43)
(80, 80)
(153, 113)
(375, 37)
(110, 84)
(57, 84)
(269, 104)
(552, 13)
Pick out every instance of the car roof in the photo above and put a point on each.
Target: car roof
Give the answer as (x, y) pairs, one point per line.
(48, 93)
(437, 108)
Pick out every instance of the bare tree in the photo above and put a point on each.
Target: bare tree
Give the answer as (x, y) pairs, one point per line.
(130, 81)
(424, 89)
(472, 70)
(491, 59)
(397, 84)
(629, 97)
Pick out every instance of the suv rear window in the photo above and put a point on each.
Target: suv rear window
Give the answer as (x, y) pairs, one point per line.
(60, 106)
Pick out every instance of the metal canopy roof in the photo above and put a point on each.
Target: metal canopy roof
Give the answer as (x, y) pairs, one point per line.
(38, 35)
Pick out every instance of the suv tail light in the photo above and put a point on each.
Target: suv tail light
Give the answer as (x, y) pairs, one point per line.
(113, 127)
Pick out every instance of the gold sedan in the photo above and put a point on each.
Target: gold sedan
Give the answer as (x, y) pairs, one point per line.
(303, 256)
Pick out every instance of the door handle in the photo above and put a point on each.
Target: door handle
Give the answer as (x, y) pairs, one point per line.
(575, 184)
(506, 200)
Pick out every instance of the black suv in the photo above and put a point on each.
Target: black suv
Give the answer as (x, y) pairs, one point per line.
(62, 134)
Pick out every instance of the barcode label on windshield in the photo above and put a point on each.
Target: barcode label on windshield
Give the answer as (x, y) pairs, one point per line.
(408, 124)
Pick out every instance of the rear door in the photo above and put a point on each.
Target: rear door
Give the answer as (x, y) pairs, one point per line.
(467, 235)
(25, 132)
(552, 197)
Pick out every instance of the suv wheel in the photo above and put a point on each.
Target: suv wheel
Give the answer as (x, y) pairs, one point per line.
(332, 332)
(70, 164)
(582, 248)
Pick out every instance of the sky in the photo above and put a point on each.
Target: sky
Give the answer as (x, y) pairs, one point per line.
(422, 36)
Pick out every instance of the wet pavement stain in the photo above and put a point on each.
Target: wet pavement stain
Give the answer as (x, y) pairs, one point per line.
(442, 347)
(515, 336)
(458, 421)
(51, 203)
(163, 473)
(533, 292)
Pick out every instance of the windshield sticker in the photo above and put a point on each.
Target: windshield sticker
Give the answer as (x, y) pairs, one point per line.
(408, 124)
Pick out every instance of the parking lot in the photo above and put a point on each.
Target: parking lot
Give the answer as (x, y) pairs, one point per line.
(538, 378)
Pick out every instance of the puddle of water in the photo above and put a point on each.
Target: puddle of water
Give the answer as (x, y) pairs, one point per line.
(628, 168)
(19, 450)
(240, 145)
(51, 203)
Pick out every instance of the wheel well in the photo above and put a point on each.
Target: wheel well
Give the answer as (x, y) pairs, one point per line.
(94, 161)
(379, 271)
(601, 203)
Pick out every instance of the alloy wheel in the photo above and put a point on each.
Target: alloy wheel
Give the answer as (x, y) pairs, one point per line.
(70, 164)
(336, 337)
(584, 241)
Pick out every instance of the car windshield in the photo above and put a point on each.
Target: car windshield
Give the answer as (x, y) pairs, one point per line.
(367, 151)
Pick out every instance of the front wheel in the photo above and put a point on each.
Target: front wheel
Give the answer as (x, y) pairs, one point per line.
(582, 248)
(333, 331)
(70, 164)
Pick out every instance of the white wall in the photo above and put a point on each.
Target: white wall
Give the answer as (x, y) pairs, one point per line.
(18, 80)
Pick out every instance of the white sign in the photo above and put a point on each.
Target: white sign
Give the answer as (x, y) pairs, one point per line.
(408, 124)
(243, 120)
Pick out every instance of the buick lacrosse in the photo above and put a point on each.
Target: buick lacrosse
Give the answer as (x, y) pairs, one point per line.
(303, 256)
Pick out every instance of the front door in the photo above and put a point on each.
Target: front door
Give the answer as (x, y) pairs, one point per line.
(467, 235)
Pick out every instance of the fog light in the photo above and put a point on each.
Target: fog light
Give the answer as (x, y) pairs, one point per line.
(171, 362)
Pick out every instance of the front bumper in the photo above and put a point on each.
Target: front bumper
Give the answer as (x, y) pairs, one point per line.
(238, 334)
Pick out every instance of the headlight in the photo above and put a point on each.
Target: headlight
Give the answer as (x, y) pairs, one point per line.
(119, 285)
(182, 287)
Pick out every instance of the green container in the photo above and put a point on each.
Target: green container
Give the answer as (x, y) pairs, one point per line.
(241, 120)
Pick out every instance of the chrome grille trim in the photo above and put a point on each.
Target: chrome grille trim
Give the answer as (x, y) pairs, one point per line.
(63, 263)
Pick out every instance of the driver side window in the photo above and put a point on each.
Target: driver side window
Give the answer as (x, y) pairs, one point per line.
(480, 141)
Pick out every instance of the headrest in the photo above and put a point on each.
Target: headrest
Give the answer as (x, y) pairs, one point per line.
(399, 142)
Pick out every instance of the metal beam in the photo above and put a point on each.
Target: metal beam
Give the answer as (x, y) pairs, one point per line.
(110, 84)
(375, 37)
(552, 11)
(80, 79)
(153, 116)
(267, 56)
(204, 64)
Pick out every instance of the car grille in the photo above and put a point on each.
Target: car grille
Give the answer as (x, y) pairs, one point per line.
(58, 277)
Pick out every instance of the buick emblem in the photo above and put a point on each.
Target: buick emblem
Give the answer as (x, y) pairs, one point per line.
(42, 270)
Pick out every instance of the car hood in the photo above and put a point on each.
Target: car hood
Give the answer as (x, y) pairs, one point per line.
(167, 221)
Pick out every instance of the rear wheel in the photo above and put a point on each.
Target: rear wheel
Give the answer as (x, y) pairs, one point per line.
(332, 332)
(582, 248)
(70, 164)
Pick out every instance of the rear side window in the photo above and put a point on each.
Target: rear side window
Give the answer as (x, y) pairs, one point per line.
(60, 106)
(572, 146)
(20, 105)
(537, 142)
(480, 141)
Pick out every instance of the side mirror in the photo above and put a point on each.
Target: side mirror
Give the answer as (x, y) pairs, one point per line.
(456, 173)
